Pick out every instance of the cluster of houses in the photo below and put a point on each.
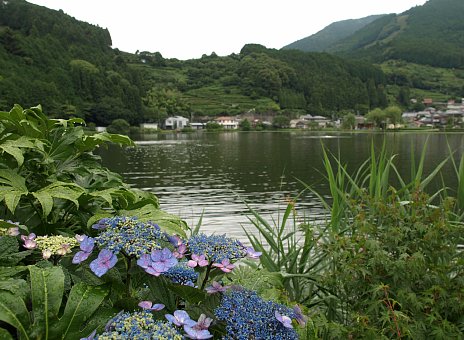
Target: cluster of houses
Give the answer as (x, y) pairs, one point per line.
(451, 115)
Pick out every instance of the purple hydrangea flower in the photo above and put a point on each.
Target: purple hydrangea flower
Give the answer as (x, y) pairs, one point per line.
(29, 241)
(196, 260)
(284, 320)
(86, 246)
(300, 318)
(180, 251)
(216, 288)
(252, 254)
(104, 262)
(180, 318)
(193, 333)
(91, 336)
(225, 266)
(158, 262)
(148, 305)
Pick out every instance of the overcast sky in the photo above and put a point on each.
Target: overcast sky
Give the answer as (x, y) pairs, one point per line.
(186, 29)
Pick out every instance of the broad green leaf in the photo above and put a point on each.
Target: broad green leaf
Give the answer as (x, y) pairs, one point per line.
(47, 286)
(14, 312)
(15, 152)
(15, 286)
(6, 272)
(12, 188)
(66, 191)
(159, 291)
(5, 335)
(169, 223)
(82, 302)
(189, 294)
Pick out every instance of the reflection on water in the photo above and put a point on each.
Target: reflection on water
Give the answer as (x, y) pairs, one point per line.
(217, 175)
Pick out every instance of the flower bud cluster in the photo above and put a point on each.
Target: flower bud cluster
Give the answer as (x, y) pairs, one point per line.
(50, 245)
(130, 235)
(182, 274)
(247, 316)
(216, 248)
(139, 325)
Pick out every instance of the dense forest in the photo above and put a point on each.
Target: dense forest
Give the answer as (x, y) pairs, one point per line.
(432, 34)
(70, 68)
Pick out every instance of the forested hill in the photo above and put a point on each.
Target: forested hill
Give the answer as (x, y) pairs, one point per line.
(432, 34)
(331, 35)
(70, 68)
(67, 65)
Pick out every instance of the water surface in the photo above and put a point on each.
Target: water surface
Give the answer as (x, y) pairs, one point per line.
(218, 174)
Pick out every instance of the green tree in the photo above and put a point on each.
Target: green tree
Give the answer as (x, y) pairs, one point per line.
(349, 121)
(377, 116)
(281, 122)
(120, 126)
(393, 114)
(245, 125)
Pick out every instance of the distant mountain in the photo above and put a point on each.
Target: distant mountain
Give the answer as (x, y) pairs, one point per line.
(331, 34)
(432, 34)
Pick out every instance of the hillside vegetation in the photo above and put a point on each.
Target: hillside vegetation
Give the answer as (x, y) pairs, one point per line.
(432, 34)
(70, 68)
(331, 35)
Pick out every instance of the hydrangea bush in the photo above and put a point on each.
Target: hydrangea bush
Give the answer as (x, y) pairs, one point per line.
(194, 271)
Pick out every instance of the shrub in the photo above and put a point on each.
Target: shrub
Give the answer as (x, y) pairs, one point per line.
(120, 126)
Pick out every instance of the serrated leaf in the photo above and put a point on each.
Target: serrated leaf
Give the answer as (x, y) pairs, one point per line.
(47, 286)
(189, 294)
(15, 152)
(82, 302)
(12, 188)
(66, 191)
(15, 286)
(169, 223)
(5, 335)
(14, 312)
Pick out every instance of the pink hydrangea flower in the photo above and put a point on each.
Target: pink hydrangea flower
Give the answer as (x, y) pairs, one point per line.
(197, 260)
(225, 266)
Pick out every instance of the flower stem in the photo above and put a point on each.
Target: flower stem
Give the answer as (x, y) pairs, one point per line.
(208, 270)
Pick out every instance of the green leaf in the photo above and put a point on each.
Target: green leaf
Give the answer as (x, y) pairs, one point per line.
(15, 286)
(47, 286)
(12, 188)
(14, 312)
(169, 223)
(9, 251)
(82, 302)
(66, 191)
(159, 291)
(5, 335)
(189, 294)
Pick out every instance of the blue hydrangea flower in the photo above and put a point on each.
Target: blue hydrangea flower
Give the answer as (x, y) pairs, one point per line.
(216, 247)
(128, 235)
(247, 316)
(104, 262)
(139, 325)
(182, 274)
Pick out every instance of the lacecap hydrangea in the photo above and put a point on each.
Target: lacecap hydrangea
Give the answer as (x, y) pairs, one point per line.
(216, 248)
(248, 316)
(138, 325)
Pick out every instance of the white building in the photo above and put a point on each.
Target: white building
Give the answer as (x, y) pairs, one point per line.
(176, 123)
(227, 122)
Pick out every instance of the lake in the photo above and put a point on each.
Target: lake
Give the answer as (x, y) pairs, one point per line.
(218, 174)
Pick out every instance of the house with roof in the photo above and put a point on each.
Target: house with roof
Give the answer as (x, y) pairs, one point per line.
(176, 123)
(227, 122)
